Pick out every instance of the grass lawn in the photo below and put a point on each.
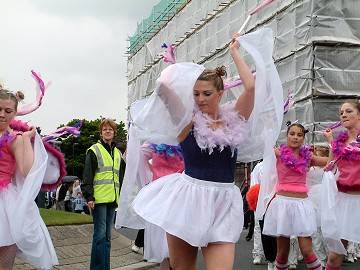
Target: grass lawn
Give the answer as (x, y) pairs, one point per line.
(53, 217)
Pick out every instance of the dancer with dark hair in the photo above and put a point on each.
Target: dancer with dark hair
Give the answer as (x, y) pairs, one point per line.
(291, 213)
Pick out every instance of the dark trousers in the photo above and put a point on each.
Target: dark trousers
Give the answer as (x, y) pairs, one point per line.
(251, 225)
(139, 241)
(103, 216)
(269, 243)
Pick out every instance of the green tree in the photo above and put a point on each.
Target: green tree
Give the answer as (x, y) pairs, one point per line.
(74, 148)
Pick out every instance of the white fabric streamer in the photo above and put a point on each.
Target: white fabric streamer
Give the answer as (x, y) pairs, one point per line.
(20, 220)
(266, 118)
(333, 226)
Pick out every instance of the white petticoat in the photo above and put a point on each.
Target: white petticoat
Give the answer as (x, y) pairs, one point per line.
(199, 212)
(347, 211)
(288, 216)
(20, 220)
(155, 243)
(340, 216)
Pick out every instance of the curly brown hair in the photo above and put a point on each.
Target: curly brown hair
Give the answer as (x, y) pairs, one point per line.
(214, 75)
(109, 122)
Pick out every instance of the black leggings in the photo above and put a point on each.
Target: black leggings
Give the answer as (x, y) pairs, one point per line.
(269, 244)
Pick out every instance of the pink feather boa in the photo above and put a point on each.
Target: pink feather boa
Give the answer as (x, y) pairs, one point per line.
(341, 150)
(18, 125)
(232, 134)
(60, 157)
(300, 164)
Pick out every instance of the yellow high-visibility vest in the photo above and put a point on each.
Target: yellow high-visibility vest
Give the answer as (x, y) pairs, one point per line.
(106, 179)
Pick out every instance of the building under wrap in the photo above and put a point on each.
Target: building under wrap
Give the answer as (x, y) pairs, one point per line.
(316, 50)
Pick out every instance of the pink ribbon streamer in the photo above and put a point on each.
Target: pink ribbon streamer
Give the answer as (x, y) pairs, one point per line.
(229, 85)
(252, 12)
(288, 103)
(232, 84)
(332, 127)
(260, 6)
(169, 54)
(40, 92)
(67, 130)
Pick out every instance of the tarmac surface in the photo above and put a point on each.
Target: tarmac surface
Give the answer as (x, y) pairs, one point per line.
(73, 245)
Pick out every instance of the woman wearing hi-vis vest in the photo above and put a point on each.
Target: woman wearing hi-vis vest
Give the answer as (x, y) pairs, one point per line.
(101, 184)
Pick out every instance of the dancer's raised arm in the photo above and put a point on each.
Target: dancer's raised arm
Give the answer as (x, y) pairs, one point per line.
(245, 103)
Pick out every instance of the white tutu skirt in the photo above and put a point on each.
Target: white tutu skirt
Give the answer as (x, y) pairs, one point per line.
(288, 216)
(340, 215)
(198, 212)
(20, 220)
(348, 216)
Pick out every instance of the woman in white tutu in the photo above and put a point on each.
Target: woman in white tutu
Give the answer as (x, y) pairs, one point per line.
(202, 208)
(340, 220)
(291, 212)
(22, 169)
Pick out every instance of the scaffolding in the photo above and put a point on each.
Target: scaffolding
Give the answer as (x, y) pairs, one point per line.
(316, 51)
(161, 14)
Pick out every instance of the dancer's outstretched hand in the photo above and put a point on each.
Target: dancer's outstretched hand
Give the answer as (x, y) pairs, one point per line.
(328, 135)
(234, 44)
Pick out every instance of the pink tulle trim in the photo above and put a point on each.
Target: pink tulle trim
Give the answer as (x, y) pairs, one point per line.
(164, 165)
(232, 134)
(60, 157)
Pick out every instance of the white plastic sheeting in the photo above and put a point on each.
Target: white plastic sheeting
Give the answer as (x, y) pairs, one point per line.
(316, 49)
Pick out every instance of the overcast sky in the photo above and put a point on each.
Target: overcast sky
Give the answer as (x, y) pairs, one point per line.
(78, 45)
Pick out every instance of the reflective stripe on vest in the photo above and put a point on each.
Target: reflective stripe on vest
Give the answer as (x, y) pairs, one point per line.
(106, 179)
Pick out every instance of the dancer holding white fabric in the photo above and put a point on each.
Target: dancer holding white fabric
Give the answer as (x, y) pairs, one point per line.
(202, 207)
(22, 169)
(340, 218)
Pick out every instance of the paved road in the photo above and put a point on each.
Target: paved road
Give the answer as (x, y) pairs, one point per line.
(243, 259)
(72, 244)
